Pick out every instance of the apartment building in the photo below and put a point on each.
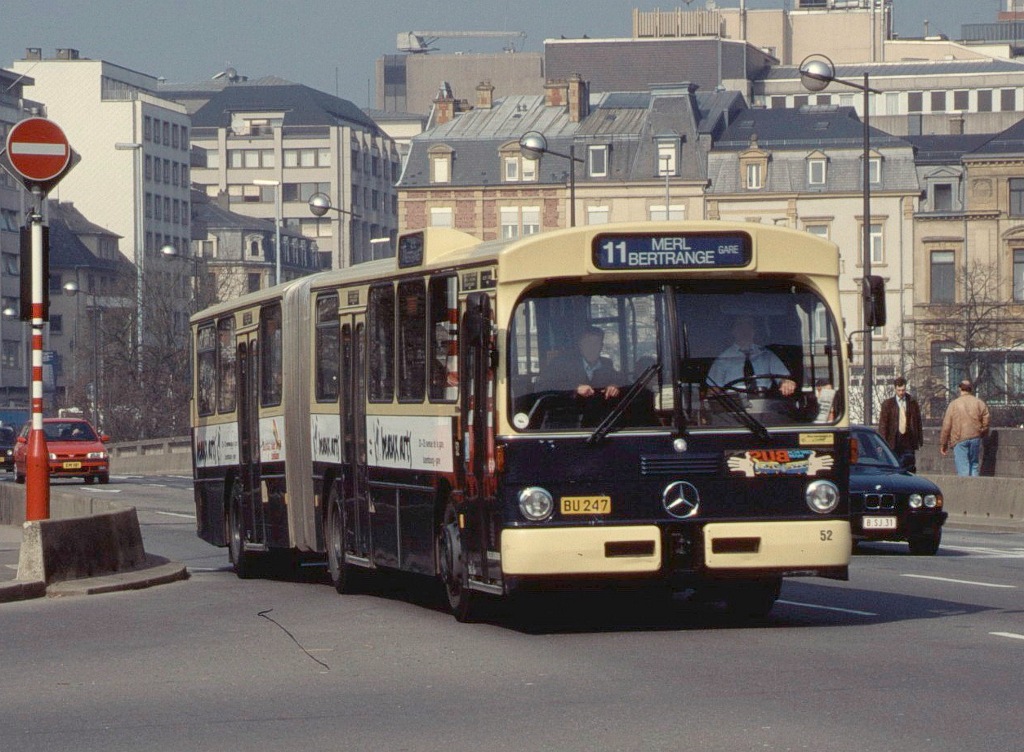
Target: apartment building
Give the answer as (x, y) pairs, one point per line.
(282, 143)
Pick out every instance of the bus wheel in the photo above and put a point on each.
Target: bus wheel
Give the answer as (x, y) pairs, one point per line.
(461, 600)
(243, 562)
(344, 577)
(752, 600)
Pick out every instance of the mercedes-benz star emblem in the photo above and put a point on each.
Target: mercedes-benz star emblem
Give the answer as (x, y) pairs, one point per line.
(681, 499)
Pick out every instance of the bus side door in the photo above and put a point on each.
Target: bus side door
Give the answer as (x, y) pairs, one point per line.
(249, 471)
(353, 430)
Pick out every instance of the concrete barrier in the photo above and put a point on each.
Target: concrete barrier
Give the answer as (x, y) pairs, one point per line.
(152, 457)
(73, 548)
(982, 502)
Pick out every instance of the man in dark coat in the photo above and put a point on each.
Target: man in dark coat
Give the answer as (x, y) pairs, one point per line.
(899, 423)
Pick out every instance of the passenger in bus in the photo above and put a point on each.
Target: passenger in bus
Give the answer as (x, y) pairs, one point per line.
(586, 371)
(742, 361)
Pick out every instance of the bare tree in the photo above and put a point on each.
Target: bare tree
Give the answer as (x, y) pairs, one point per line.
(972, 338)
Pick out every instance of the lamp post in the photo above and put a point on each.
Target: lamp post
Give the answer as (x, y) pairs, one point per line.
(171, 252)
(319, 205)
(139, 246)
(277, 225)
(667, 159)
(72, 288)
(816, 73)
(533, 145)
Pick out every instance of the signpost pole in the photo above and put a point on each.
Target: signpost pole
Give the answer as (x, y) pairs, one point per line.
(39, 152)
(37, 462)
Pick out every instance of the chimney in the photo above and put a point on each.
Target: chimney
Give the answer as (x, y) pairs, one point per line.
(67, 53)
(555, 93)
(579, 98)
(484, 95)
(34, 53)
(956, 125)
(444, 105)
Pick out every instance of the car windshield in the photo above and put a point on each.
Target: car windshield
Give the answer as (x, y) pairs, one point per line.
(872, 451)
(69, 431)
(574, 351)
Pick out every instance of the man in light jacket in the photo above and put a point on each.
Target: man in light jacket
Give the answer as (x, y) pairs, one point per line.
(963, 427)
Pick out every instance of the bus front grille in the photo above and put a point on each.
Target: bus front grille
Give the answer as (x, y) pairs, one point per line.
(673, 464)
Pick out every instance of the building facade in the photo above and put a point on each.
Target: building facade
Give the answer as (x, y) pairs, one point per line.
(264, 144)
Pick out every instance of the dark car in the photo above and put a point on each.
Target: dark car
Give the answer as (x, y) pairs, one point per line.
(75, 450)
(888, 502)
(8, 438)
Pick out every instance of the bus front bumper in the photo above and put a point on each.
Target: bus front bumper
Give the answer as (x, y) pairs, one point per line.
(798, 547)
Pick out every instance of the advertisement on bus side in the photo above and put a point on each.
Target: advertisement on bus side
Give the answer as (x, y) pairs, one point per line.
(325, 433)
(410, 443)
(216, 446)
(272, 439)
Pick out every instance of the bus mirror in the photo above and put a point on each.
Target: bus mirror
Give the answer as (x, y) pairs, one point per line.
(874, 301)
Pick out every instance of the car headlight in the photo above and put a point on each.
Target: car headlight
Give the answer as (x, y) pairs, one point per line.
(53, 456)
(96, 455)
(822, 496)
(915, 501)
(536, 503)
(931, 501)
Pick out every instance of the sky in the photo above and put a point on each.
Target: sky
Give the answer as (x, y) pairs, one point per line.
(333, 45)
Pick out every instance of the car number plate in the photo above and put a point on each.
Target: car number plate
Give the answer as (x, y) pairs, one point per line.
(879, 523)
(72, 465)
(586, 504)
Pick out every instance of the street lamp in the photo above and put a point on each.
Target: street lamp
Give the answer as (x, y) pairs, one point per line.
(533, 145)
(667, 159)
(816, 73)
(72, 288)
(171, 252)
(277, 225)
(139, 246)
(319, 205)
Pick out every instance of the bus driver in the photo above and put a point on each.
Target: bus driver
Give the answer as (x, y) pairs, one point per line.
(744, 360)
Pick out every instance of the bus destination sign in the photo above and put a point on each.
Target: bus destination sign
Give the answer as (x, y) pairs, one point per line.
(705, 250)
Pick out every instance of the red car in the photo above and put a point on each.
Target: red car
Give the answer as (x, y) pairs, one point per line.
(76, 450)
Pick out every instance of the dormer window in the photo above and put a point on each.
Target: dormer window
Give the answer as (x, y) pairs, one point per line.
(754, 166)
(597, 161)
(514, 167)
(668, 156)
(817, 168)
(874, 167)
(441, 158)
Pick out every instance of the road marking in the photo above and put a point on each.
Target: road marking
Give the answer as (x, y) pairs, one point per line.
(172, 514)
(1011, 635)
(987, 552)
(828, 608)
(959, 582)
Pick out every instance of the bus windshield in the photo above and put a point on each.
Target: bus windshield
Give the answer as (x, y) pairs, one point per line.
(727, 354)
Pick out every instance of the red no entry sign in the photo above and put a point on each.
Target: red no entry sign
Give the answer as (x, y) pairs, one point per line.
(38, 149)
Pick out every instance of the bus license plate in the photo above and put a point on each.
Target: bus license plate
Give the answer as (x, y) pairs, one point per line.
(879, 523)
(72, 465)
(586, 504)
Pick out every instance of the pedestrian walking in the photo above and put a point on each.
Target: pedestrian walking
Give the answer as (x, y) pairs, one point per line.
(963, 427)
(899, 423)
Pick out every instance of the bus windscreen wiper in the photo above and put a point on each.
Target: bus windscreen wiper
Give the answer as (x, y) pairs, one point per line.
(628, 399)
(736, 407)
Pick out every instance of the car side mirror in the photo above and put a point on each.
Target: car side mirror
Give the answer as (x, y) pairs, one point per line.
(22, 440)
(104, 438)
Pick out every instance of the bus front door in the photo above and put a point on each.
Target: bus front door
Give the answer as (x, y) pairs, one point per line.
(358, 540)
(246, 515)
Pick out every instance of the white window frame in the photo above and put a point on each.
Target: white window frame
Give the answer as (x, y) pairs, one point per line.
(754, 179)
(510, 172)
(597, 161)
(676, 213)
(668, 154)
(440, 172)
(508, 222)
(817, 171)
(442, 216)
(530, 217)
(598, 215)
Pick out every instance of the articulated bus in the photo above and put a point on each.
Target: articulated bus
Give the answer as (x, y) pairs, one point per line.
(431, 413)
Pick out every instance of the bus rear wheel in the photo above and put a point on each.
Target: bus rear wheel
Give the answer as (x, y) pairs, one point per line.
(244, 562)
(452, 563)
(344, 576)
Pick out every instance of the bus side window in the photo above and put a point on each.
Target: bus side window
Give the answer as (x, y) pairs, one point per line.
(327, 346)
(444, 340)
(412, 341)
(271, 362)
(380, 374)
(206, 371)
(226, 364)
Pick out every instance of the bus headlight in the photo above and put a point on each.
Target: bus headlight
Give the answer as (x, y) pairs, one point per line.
(536, 503)
(822, 496)
(915, 501)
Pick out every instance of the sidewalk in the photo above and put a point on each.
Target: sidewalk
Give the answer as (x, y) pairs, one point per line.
(157, 571)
